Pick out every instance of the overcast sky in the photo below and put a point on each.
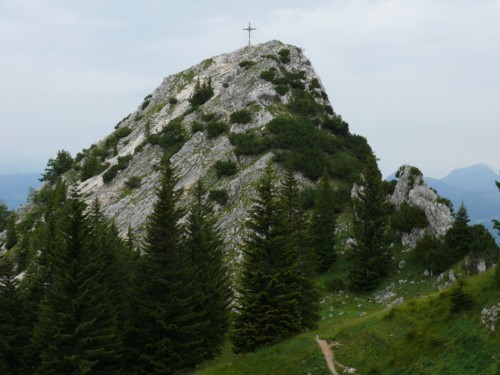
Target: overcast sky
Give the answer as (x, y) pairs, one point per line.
(419, 79)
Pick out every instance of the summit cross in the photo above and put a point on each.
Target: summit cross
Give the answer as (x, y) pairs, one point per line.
(249, 29)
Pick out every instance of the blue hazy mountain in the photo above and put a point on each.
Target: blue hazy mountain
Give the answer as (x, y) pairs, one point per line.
(14, 188)
(475, 187)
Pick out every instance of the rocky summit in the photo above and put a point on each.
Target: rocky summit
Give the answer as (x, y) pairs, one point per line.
(246, 89)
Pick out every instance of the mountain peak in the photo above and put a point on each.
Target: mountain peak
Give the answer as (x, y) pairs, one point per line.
(477, 178)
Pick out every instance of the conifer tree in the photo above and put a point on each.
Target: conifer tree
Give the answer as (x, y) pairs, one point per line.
(213, 293)
(165, 334)
(323, 224)
(496, 225)
(76, 328)
(14, 321)
(370, 259)
(11, 235)
(267, 306)
(299, 245)
(458, 239)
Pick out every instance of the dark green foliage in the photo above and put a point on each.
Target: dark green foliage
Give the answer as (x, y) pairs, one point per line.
(242, 116)
(408, 217)
(11, 232)
(165, 329)
(314, 84)
(458, 238)
(111, 173)
(459, 299)
(197, 127)
(432, 254)
(133, 182)
(284, 55)
(247, 143)
(246, 64)
(335, 284)
(225, 168)
(56, 167)
(268, 75)
(336, 125)
(300, 248)
(4, 215)
(482, 248)
(171, 138)
(496, 223)
(303, 104)
(218, 196)
(282, 89)
(370, 258)
(146, 102)
(14, 321)
(213, 293)
(322, 227)
(92, 165)
(215, 128)
(76, 331)
(173, 100)
(267, 306)
(202, 93)
(122, 132)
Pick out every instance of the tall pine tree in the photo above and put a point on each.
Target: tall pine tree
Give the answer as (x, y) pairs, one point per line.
(299, 247)
(370, 258)
(213, 293)
(166, 330)
(323, 224)
(267, 306)
(76, 330)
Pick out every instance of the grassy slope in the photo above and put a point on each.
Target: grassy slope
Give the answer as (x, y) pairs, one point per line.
(419, 336)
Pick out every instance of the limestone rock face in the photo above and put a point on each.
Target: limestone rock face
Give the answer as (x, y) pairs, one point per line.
(412, 189)
(236, 82)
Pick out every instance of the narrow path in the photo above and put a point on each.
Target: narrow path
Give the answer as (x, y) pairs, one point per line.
(327, 352)
(330, 359)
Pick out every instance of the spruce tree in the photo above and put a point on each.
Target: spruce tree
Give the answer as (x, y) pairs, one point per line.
(370, 258)
(166, 330)
(267, 306)
(213, 293)
(11, 232)
(496, 225)
(76, 328)
(300, 248)
(458, 239)
(323, 224)
(15, 327)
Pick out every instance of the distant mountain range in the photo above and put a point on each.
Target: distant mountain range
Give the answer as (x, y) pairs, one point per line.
(475, 187)
(14, 188)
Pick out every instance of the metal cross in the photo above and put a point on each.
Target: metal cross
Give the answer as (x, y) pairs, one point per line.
(249, 29)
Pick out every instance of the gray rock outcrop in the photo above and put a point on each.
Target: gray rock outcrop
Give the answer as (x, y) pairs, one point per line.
(412, 189)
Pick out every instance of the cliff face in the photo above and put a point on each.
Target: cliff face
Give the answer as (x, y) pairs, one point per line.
(412, 189)
(237, 84)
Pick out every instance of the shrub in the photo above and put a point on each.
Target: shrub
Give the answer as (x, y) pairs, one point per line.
(336, 125)
(246, 64)
(408, 217)
(197, 127)
(173, 100)
(218, 196)
(122, 132)
(268, 75)
(284, 55)
(247, 143)
(432, 253)
(460, 300)
(215, 128)
(133, 182)
(282, 89)
(314, 84)
(202, 93)
(110, 174)
(303, 104)
(225, 168)
(243, 116)
(209, 116)
(335, 284)
(297, 85)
